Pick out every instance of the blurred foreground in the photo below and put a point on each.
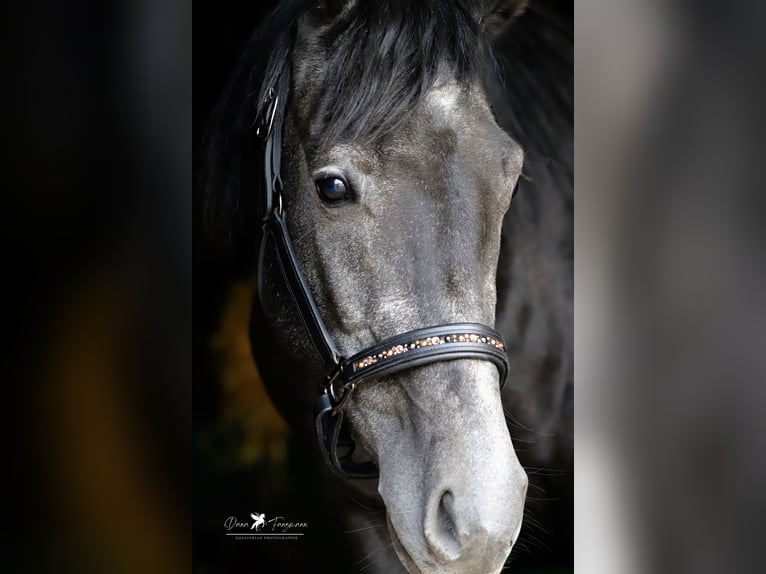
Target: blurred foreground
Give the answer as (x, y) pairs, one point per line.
(670, 273)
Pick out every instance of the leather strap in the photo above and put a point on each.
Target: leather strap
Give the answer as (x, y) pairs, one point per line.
(328, 431)
(275, 229)
(269, 130)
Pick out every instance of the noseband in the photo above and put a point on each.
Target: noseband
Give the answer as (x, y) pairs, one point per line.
(343, 375)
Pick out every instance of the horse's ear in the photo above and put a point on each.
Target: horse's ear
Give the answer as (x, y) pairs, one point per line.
(496, 15)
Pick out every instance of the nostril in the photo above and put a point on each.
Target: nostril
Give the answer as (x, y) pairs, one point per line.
(440, 529)
(446, 505)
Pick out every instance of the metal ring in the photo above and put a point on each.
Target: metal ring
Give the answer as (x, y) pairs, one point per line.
(330, 387)
(348, 388)
(338, 399)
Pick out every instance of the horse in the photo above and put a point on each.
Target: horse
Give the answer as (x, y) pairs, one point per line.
(397, 185)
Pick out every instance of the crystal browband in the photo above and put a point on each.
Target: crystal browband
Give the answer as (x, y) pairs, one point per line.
(427, 342)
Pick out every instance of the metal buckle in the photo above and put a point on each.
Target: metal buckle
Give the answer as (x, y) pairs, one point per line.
(338, 400)
(348, 388)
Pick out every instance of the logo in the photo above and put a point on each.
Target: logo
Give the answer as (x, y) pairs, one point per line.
(262, 528)
(258, 521)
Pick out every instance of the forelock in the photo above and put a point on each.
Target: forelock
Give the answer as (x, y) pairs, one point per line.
(379, 58)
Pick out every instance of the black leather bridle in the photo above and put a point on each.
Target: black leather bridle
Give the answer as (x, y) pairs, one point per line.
(343, 375)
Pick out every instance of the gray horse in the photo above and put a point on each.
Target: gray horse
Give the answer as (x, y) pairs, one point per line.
(397, 180)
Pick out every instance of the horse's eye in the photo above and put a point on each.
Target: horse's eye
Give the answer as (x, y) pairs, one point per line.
(332, 189)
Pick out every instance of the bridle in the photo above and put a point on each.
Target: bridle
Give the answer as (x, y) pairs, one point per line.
(343, 375)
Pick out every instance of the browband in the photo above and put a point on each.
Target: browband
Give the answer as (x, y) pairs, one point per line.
(403, 351)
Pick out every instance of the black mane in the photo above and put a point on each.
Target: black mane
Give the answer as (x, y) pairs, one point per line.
(382, 57)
